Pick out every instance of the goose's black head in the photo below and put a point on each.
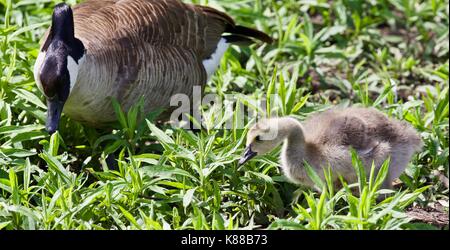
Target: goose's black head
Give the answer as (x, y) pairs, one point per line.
(56, 68)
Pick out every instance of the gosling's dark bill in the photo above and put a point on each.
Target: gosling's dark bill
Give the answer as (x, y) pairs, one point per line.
(248, 155)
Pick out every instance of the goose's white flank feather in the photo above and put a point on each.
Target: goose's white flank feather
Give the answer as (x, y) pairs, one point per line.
(212, 63)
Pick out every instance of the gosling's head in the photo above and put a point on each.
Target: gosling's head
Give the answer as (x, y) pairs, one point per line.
(268, 134)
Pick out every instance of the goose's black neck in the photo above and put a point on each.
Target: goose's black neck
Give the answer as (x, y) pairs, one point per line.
(55, 72)
(62, 23)
(62, 33)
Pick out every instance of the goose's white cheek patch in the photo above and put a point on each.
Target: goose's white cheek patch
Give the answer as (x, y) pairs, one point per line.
(73, 68)
(212, 63)
(37, 69)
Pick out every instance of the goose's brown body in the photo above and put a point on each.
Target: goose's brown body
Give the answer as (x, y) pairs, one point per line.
(150, 48)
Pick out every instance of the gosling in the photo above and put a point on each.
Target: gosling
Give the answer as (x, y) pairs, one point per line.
(325, 139)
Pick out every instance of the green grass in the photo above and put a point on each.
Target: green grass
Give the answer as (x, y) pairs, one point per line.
(391, 54)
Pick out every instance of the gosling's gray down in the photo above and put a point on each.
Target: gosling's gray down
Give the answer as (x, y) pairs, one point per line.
(325, 139)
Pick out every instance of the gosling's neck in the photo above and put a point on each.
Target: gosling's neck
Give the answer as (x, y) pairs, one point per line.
(294, 150)
(291, 131)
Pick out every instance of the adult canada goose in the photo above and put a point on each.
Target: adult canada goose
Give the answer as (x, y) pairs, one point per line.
(324, 139)
(126, 49)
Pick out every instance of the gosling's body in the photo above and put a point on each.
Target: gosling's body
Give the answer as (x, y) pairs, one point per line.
(325, 140)
(149, 48)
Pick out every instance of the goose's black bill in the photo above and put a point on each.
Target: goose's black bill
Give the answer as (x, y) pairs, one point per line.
(54, 109)
(248, 154)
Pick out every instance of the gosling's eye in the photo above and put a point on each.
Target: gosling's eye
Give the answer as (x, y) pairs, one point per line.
(258, 138)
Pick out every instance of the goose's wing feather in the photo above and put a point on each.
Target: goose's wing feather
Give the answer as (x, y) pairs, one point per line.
(87, 8)
(155, 22)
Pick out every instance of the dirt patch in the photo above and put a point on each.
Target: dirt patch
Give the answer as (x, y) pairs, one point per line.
(437, 215)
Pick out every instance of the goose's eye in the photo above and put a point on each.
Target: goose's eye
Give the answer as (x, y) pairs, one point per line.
(258, 138)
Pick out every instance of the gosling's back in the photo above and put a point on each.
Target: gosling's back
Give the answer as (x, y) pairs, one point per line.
(358, 127)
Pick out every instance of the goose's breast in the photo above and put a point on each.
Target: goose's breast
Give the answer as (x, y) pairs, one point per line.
(157, 73)
(87, 101)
